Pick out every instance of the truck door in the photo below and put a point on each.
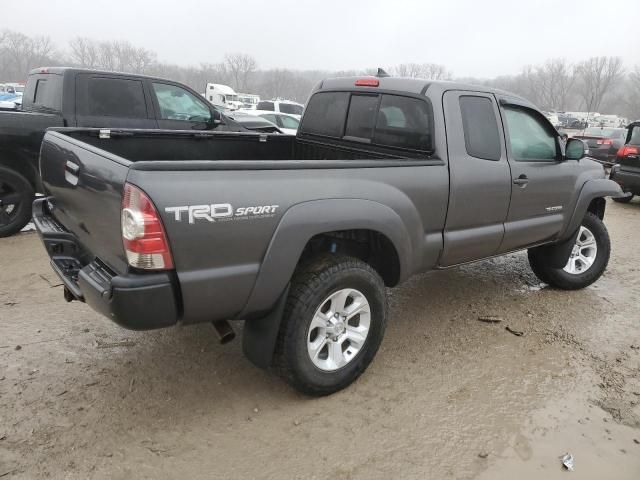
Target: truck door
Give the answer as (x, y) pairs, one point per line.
(115, 101)
(480, 180)
(542, 182)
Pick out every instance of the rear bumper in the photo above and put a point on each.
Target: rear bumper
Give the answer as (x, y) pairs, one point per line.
(628, 181)
(134, 301)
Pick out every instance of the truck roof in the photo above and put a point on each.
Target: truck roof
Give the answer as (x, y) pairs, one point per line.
(416, 86)
(74, 70)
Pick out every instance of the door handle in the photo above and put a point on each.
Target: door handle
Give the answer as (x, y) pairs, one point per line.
(521, 181)
(71, 171)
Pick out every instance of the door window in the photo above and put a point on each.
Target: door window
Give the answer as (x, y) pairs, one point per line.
(528, 137)
(116, 97)
(271, 117)
(289, 122)
(481, 135)
(176, 103)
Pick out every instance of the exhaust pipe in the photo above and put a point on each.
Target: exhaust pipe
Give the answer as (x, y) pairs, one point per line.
(224, 331)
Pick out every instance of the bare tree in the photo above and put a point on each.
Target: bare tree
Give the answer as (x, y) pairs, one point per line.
(430, 71)
(20, 53)
(597, 76)
(632, 99)
(241, 67)
(555, 80)
(85, 52)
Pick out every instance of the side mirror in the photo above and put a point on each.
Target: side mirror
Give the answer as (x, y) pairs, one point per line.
(216, 117)
(574, 149)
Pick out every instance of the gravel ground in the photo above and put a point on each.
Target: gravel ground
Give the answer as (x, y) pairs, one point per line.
(447, 396)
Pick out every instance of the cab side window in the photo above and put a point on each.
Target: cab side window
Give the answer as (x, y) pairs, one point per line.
(528, 137)
(481, 135)
(178, 104)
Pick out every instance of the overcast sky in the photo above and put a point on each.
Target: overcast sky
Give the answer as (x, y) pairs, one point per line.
(482, 38)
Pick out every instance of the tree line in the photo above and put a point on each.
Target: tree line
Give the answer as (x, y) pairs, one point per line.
(597, 84)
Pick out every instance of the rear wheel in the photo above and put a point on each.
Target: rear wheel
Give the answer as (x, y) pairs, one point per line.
(626, 199)
(333, 324)
(16, 197)
(587, 262)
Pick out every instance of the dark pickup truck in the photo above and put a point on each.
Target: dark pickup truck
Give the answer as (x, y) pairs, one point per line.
(298, 236)
(69, 97)
(626, 171)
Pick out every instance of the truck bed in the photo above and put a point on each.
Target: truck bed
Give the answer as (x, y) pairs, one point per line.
(220, 261)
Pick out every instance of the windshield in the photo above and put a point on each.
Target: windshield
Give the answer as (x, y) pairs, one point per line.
(604, 132)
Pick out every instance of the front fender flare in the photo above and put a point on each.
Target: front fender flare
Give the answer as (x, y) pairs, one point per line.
(596, 188)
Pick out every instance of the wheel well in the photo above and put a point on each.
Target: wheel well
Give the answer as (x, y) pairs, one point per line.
(369, 246)
(25, 169)
(597, 207)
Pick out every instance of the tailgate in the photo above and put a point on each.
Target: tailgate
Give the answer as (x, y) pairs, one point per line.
(84, 187)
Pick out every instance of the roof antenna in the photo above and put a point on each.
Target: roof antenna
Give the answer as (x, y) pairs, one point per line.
(381, 73)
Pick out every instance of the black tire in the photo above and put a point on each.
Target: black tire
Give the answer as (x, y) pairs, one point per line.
(16, 198)
(559, 278)
(311, 285)
(623, 199)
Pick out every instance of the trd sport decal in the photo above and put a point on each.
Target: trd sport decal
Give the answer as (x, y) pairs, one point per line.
(220, 212)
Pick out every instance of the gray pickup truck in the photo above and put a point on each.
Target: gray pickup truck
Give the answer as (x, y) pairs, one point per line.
(299, 236)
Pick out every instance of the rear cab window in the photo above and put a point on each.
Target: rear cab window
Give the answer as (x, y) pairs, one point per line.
(43, 93)
(379, 119)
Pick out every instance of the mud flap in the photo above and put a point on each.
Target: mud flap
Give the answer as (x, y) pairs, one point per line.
(260, 335)
(557, 254)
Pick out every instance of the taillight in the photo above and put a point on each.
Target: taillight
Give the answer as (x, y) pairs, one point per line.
(143, 235)
(627, 150)
(367, 82)
(606, 141)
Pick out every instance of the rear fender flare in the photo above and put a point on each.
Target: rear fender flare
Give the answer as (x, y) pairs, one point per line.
(305, 220)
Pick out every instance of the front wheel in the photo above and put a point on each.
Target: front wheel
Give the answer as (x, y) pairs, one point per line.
(587, 262)
(332, 326)
(16, 197)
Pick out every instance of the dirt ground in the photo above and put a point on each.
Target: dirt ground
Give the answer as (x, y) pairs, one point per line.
(447, 396)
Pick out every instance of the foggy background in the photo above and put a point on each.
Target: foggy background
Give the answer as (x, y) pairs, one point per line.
(560, 55)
